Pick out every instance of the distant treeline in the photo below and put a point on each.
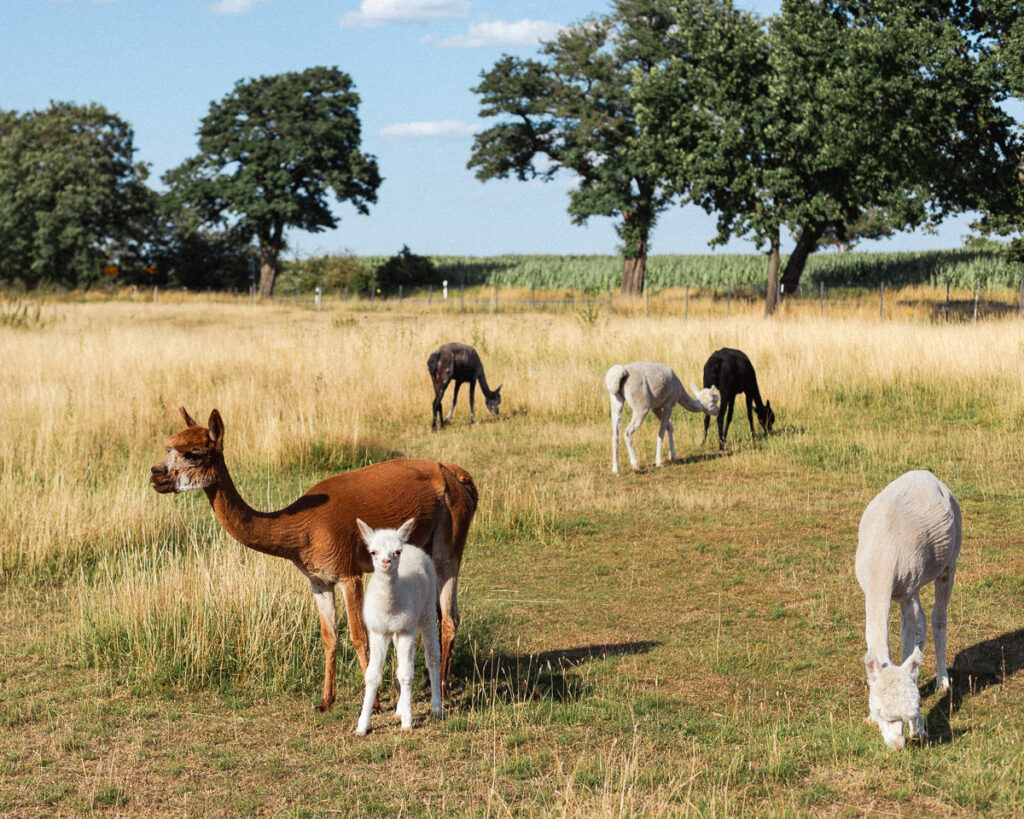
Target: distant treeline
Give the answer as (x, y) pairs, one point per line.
(984, 268)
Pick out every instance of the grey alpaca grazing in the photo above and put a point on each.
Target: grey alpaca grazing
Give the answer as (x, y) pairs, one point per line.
(646, 387)
(459, 363)
(909, 536)
(731, 371)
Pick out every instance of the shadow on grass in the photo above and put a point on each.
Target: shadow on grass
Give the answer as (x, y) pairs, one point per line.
(974, 669)
(559, 675)
(701, 457)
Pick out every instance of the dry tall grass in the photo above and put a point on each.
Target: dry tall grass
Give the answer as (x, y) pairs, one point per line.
(158, 595)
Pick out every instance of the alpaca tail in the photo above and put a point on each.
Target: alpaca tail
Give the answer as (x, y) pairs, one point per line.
(432, 363)
(463, 477)
(615, 378)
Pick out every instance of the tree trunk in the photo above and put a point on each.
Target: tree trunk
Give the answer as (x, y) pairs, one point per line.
(268, 266)
(805, 245)
(771, 296)
(633, 275)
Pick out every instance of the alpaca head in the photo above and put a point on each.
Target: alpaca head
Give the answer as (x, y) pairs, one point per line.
(192, 457)
(708, 398)
(385, 545)
(766, 415)
(495, 399)
(894, 699)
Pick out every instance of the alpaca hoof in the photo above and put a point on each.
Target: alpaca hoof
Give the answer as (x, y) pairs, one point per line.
(636, 470)
(942, 685)
(361, 732)
(322, 708)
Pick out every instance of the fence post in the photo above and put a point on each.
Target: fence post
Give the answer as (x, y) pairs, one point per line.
(155, 288)
(533, 297)
(399, 297)
(947, 302)
(494, 298)
(318, 298)
(687, 313)
(821, 298)
(609, 299)
(881, 300)
(728, 300)
(647, 298)
(975, 302)
(462, 298)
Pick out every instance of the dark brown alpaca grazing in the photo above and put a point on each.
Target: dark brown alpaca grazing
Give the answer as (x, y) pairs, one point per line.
(318, 532)
(731, 371)
(459, 363)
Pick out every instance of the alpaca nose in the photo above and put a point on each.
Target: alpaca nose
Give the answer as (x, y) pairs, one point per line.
(385, 563)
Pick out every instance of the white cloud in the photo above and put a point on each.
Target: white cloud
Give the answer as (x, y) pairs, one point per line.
(382, 12)
(416, 130)
(501, 33)
(234, 6)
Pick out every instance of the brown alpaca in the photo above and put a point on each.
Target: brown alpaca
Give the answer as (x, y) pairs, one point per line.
(318, 532)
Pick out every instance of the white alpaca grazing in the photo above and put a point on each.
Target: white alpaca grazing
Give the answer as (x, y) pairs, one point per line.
(401, 597)
(650, 387)
(909, 535)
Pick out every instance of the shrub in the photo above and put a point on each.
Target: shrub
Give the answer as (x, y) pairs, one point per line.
(333, 274)
(406, 269)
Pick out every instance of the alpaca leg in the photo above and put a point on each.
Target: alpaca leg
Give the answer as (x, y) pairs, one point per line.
(943, 590)
(448, 602)
(432, 656)
(352, 592)
(634, 425)
(323, 595)
(667, 423)
(371, 679)
(436, 410)
(750, 415)
(707, 423)
(455, 397)
(913, 625)
(405, 652)
(722, 435)
(617, 406)
(661, 434)
(472, 401)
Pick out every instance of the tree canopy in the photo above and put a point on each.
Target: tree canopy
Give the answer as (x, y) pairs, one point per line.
(72, 199)
(269, 153)
(572, 110)
(835, 109)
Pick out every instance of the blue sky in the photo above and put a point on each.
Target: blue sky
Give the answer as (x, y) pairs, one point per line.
(159, 63)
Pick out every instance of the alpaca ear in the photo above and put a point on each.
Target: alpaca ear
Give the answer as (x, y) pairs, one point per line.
(912, 665)
(405, 530)
(189, 422)
(498, 388)
(365, 531)
(216, 430)
(871, 666)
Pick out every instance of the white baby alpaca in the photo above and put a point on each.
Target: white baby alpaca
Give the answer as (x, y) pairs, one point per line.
(910, 535)
(401, 597)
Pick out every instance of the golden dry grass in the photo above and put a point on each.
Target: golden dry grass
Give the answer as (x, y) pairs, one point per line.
(685, 641)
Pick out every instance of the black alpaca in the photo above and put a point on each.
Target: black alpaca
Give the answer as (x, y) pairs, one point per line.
(731, 371)
(459, 362)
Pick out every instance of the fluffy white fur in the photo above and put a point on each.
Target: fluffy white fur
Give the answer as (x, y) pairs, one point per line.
(650, 387)
(909, 536)
(401, 598)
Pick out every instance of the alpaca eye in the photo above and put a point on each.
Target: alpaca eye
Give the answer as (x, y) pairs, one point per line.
(194, 456)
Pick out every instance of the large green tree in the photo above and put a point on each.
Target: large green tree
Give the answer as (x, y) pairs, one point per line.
(269, 153)
(836, 109)
(71, 196)
(572, 110)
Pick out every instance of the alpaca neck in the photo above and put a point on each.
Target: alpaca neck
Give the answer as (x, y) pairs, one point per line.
(688, 402)
(261, 531)
(482, 379)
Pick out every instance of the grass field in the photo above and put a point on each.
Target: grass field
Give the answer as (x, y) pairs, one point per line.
(686, 641)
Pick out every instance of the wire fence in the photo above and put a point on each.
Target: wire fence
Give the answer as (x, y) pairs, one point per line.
(929, 302)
